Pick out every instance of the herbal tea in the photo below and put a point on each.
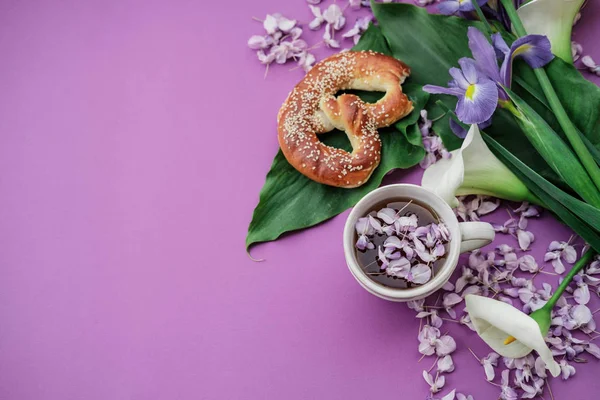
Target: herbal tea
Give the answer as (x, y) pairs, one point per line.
(401, 244)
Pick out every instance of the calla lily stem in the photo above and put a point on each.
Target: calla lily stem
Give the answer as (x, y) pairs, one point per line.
(583, 261)
(561, 115)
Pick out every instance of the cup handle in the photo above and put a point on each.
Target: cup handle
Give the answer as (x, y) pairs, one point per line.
(475, 235)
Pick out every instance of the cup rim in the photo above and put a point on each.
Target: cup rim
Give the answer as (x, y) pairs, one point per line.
(398, 294)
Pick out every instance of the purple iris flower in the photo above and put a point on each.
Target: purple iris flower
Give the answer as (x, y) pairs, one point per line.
(477, 94)
(450, 7)
(478, 84)
(534, 49)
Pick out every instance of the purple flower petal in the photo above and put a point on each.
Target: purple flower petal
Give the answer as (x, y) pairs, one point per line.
(593, 349)
(387, 215)
(500, 46)
(445, 345)
(468, 6)
(419, 274)
(376, 224)
(525, 238)
(433, 89)
(448, 7)
(484, 54)
(393, 242)
(582, 294)
(457, 129)
(445, 364)
(399, 268)
(558, 266)
(363, 227)
(364, 243)
(479, 104)
(535, 49)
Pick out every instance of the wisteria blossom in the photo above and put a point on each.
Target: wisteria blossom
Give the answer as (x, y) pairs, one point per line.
(432, 342)
(281, 43)
(559, 251)
(489, 363)
(360, 26)
(409, 251)
(432, 143)
(507, 392)
(435, 384)
(591, 65)
(445, 364)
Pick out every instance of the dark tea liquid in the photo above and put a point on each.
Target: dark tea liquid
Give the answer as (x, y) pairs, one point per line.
(368, 260)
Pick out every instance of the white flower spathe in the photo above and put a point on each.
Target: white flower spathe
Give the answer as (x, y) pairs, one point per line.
(473, 169)
(495, 321)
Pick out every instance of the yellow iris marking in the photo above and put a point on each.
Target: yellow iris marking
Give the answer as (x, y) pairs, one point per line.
(470, 92)
(509, 340)
(521, 49)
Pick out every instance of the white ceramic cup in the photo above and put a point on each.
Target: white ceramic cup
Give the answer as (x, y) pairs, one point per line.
(464, 236)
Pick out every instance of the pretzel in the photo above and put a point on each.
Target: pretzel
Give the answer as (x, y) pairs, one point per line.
(312, 108)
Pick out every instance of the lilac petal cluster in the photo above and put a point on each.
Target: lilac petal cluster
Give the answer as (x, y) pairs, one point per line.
(360, 26)
(409, 250)
(334, 20)
(507, 274)
(431, 341)
(432, 143)
(435, 384)
(517, 227)
(471, 208)
(281, 43)
(559, 252)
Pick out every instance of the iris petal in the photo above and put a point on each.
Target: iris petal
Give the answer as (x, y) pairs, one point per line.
(535, 50)
(459, 78)
(500, 45)
(469, 70)
(448, 7)
(482, 105)
(484, 54)
(442, 90)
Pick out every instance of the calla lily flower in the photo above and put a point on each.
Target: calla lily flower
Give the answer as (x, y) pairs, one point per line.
(508, 331)
(474, 169)
(553, 18)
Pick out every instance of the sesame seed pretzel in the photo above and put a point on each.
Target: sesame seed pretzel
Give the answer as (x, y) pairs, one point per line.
(312, 108)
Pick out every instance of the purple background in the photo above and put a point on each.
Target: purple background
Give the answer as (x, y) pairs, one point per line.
(135, 137)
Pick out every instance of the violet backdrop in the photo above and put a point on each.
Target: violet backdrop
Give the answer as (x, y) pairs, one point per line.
(135, 137)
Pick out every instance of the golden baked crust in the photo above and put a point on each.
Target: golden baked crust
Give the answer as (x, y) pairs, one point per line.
(312, 108)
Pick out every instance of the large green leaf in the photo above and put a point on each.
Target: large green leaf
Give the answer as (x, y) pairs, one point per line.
(431, 44)
(554, 150)
(580, 216)
(289, 201)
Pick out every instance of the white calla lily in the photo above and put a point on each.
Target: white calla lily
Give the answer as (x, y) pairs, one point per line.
(473, 169)
(553, 18)
(496, 321)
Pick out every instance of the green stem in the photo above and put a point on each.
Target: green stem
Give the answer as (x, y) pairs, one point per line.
(583, 261)
(482, 18)
(567, 126)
